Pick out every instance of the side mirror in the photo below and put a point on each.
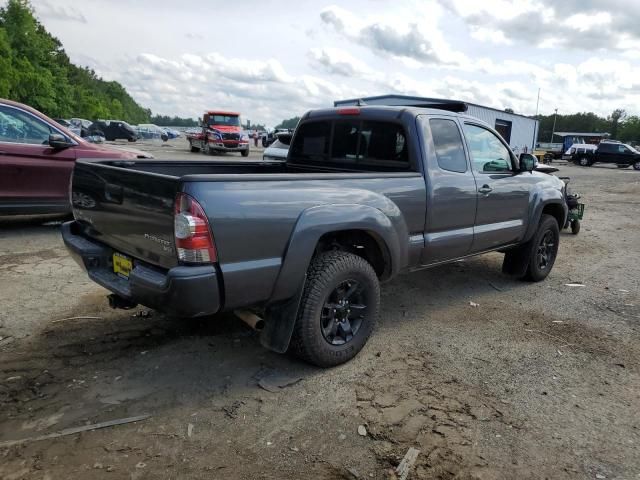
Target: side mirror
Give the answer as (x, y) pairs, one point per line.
(59, 141)
(527, 162)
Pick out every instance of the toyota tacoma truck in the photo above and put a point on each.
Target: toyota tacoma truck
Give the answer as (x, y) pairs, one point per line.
(365, 194)
(221, 132)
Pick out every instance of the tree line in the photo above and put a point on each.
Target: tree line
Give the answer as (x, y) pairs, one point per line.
(619, 125)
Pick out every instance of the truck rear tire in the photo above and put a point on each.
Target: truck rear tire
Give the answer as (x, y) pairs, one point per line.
(338, 310)
(193, 149)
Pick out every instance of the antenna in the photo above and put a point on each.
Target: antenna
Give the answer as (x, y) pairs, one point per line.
(360, 103)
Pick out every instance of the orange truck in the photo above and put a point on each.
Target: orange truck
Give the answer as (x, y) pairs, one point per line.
(221, 132)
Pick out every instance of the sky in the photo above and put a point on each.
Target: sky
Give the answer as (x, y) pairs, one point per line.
(273, 60)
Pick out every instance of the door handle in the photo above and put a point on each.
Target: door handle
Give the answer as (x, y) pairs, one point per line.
(485, 189)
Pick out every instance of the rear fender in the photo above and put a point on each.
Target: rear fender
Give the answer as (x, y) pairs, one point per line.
(387, 227)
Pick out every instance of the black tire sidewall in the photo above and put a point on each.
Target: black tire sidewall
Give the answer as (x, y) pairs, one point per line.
(534, 272)
(341, 266)
(636, 165)
(575, 227)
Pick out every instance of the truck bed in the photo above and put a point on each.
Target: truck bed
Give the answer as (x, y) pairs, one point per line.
(178, 169)
(129, 205)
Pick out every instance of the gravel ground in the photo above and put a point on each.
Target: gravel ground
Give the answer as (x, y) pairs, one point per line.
(178, 149)
(537, 381)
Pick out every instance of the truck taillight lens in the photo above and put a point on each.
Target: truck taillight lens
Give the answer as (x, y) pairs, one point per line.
(194, 241)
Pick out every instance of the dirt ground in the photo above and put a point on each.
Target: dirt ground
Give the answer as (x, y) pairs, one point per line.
(537, 381)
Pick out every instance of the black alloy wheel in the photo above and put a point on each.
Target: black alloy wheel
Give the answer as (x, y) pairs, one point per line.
(338, 309)
(343, 312)
(546, 251)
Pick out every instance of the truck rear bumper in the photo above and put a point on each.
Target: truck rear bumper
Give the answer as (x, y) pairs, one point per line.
(184, 291)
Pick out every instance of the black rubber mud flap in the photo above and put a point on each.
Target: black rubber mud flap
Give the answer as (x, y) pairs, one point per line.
(280, 318)
(516, 261)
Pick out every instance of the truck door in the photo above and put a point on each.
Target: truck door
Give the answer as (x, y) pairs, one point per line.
(503, 197)
(451, 191)
(625, 155)
(32, 174)
(607, 153)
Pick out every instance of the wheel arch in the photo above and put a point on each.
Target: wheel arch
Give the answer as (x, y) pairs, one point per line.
(324, 228)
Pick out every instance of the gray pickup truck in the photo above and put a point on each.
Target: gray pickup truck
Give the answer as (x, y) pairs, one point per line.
(365, 194)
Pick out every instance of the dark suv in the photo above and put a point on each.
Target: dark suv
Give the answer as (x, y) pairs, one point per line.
(618, 153)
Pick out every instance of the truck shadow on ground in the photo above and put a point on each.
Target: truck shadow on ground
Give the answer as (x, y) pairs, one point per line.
(130, 362)
(40, 223)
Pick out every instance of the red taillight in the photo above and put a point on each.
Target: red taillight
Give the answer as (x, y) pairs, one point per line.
(194, 241)
(349, 111)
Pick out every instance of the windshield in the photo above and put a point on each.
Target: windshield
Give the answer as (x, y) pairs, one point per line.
(228, 120)
(634, 150)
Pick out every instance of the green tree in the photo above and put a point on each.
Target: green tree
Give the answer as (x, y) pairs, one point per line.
(616, 117)
(34, 69)
(629, 130)
(289, 123)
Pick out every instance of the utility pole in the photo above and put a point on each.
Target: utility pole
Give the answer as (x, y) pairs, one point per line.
(537, 127)
(553, 130)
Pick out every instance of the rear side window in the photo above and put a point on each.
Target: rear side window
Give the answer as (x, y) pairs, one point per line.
(448, 145)
(312, 141)
(606, 148)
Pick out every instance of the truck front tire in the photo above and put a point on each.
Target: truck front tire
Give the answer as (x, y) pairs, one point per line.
(245, 153)
(636, 166)
(534, 260)
(338, 310)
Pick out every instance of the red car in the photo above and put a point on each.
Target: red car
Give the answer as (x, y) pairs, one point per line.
(36, 160)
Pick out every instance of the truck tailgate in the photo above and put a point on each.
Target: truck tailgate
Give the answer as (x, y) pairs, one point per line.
(129, 210)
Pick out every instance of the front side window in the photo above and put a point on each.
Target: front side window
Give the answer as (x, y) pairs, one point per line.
(17, 126)
(448, 144)
(488, 153)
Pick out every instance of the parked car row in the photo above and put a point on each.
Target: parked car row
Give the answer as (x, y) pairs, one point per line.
(111, 130)
(37, 156)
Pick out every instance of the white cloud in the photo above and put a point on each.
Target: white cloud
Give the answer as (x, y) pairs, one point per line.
(274, 63)
(337, 61)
